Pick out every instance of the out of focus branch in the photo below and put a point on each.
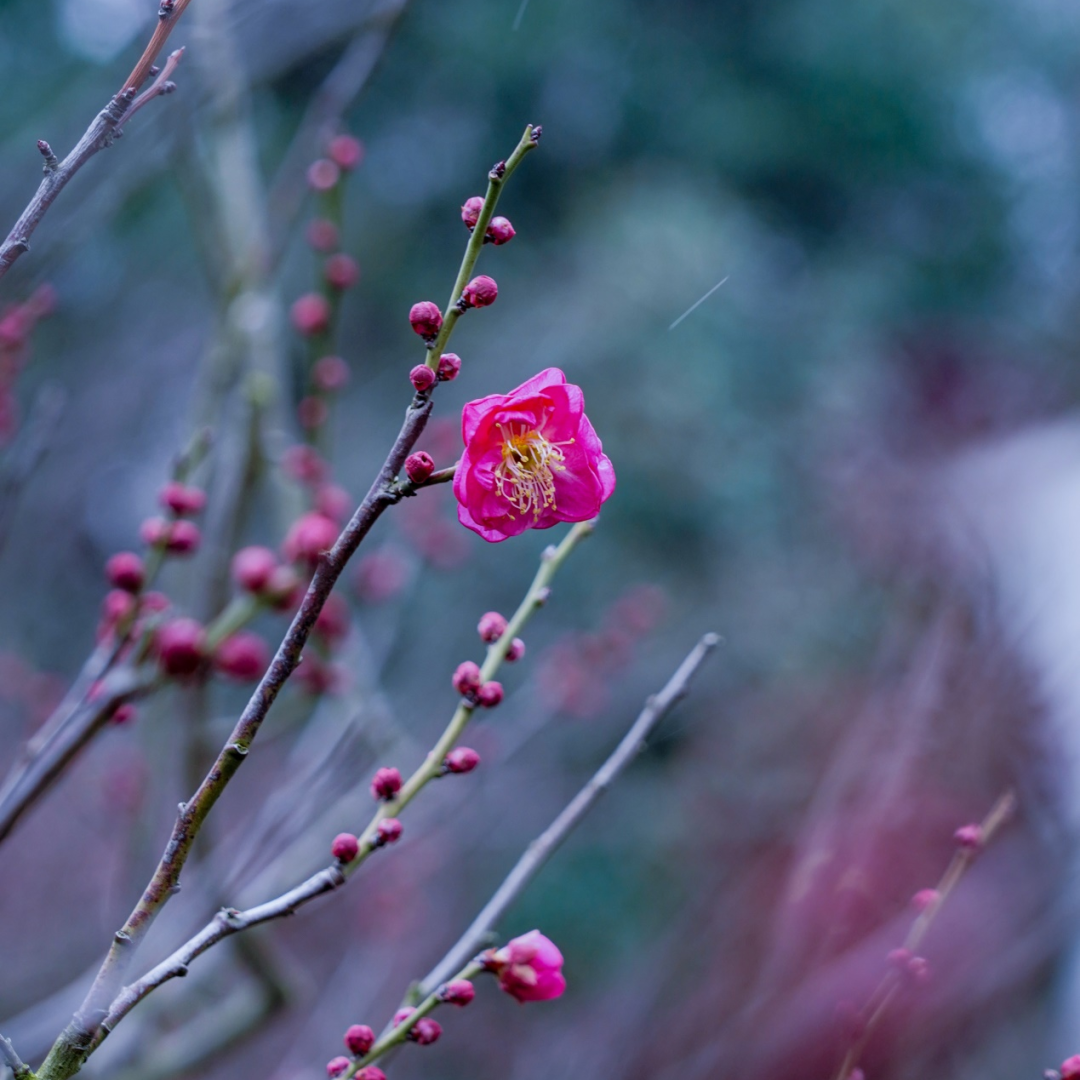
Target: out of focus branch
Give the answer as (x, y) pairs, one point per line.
(545, 845)
(12, 1060)
(101, 134)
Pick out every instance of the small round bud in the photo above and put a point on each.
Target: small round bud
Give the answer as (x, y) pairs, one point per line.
(419, 466)
(184, 538)
(969, 837)
(180, 645)
(422, 378)
(252, 567)
(322, 235)
(470, 212)
(449, 366)
(181, 499)
(243, 656)
(154, 531)
(118, 604)
(491, 627)
(370, 1072)
(466, 678)
(480, 292)
(359, 1039)
(458, 992)
(386, 784)
(461, 759)
(308, 537)
(346, 152)
(331, 373)
(311, 315)
(500, 231)
(337, 1067)
(426, 319)
(312, 412)
(489, 695)
(389, 830)
(125, 571)
(425, 1031)
(323, 174)
(516, 651)
(925, 898)
(402, 1015)
(1070, 1068)
(345, 848)
(341, 272)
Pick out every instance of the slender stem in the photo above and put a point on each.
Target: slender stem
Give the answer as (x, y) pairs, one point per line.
(548, 842)
(18, 1067)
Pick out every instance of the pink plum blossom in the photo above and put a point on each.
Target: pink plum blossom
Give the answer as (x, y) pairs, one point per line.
(531, 460)
(530, 968)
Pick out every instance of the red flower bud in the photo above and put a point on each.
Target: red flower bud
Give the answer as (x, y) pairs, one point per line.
(311, 315)
(516, 651)
(489, 695)
(449, 366)
(389, 830)
(470, 212)
(118, 604)
(252, 567)
(322, 235)
(1070, 1068)
(359, 1039)
(969, 837)
(425, 1031)
(243, 656)
(125, 571)
(180, 645)
(466, 679)
(370, 1072)
(342, 272)
(386, 784)
(154, 531)
(426, 318)
(323, 174)
(345, 848)
(419, 466)
(184, 538)
(491, 627)
(925, 898)
(422, 378)
(500, 231)
(181, 499)
(458, 992)
(346, 152)
(330, 373)
(480, 292)
(337, 1067)
(402, 1015)
(309, 536)
(462, 759)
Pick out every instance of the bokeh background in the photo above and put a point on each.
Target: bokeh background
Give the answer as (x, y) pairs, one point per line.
(858, 460)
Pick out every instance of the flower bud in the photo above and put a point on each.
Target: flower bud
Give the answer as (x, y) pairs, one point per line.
(337, 1067)
(312, 412)
(516, 651)
(322, 175)
(419, 466)
(489, 695)
(252, 567)
(341, 272)
(425, 1031)
(370, 1072)
(969, 837)
(461, 759)
(402, 1015)
(243, 656)
(529, 967)
(386, 784)
(322, 235)
(125, 571)
(1070, 1068)
(491, 627)
(389, 830)
(480, 292)
(180, 645)
(422, 378)
(346, 152)
(470, 212)
(330, 373)
(359, 1039)
(426, 319)
(284, 589)
(925, 898)
(458, 992)
(449, 366)
(118, 604)
(309, 536)
(466, 679)
(500, 231)
(311, 315)
(154, 531)
(345, 848)
(181, 499)
(184, 538)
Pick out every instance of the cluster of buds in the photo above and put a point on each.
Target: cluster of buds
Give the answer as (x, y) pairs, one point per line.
(499, 230)
(491, 628)
(176, 534)
(17, 325)
(424, 1032)
(468, 682)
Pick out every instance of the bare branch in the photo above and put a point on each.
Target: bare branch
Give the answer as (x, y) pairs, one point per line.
(544, 846)
(12, 1060)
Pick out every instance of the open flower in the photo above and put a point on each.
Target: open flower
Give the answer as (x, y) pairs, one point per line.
(531, 460)
(529, 967)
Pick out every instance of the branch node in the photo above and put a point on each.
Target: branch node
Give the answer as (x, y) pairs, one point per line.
(122, 937)
(52, 163)
(537, 131)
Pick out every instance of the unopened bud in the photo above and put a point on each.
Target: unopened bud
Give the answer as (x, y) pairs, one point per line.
(458, 992)
(470, 212)
(480, 292)
(422, 378)
(462, 759)
(389, 830)
(345, 848)
(252, 567)
(419, 466)
(181, 499)
(359, 1039)
(500, 231)
(386, 783)
(489, 695)
(323, 174)
(969, 837)
(346, 152)
(311, 314)
(425, 1031)
(516, 650)
(337, 1067)
(426, 319)
(125, 571)
(466, 678)
(491, 627)
(330, 373)
(449, 366)
(341, 272)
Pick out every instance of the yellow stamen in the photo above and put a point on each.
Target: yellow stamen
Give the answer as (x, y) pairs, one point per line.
(526, 476)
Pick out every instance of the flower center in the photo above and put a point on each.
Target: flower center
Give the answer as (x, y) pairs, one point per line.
(526, 476)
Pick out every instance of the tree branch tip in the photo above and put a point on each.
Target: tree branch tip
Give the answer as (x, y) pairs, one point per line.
(711, 640)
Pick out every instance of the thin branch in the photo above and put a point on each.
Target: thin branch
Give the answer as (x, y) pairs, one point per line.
(101, 134)
(18, 1067)
(544, 846)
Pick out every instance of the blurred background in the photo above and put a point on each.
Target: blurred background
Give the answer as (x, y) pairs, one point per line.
(858, 460)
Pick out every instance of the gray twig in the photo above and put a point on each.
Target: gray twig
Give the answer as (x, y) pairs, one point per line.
(544, 846)
(12, 1060)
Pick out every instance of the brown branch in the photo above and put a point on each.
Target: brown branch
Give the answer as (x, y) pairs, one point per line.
(101, 134)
